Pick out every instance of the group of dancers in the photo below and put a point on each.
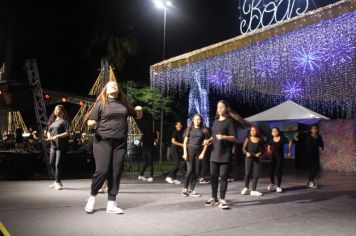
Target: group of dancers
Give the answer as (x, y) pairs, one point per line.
(108, 121)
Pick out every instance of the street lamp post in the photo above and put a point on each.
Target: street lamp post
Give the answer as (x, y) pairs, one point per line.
(162, 5)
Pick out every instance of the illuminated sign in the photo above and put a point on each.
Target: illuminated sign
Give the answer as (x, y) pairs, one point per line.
(257, 14)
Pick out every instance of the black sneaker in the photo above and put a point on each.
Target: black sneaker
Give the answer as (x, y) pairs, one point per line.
(185, 193)
(211, 202)
(203, 181)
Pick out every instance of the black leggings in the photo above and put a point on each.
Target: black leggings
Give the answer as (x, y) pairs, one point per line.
(192, 168)
(148, 154)
(218, 170)
(55, 161)
(177, 155)
(314, 165)
(252, 164)
(204, 164)
(277, 168)
(109, 156)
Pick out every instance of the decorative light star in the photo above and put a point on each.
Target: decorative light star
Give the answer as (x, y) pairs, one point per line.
(266, 66)
(221, 78)
(339, 51)
(307, 59)
(292, 90)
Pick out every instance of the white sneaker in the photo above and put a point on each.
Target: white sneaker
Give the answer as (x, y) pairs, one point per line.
(89, 207)
(175, 181)
(256, 193)
(150, 179)
(194, 194)
(57, 186)
(112, 208)
(271, 187)
(169, 180)
(143, 178)
(103, 190)
(244, 191)
(279, 190)
(52, 185)
(223, 204)
(312, 185)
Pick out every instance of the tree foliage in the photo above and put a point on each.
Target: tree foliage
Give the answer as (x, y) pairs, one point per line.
(151, 101)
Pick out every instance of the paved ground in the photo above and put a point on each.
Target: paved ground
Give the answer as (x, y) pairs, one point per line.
(29, 208)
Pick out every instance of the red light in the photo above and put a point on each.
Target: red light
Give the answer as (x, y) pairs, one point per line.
(64, 99)
(47, 96)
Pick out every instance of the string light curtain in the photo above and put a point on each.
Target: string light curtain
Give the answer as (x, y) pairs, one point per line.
(314, 65)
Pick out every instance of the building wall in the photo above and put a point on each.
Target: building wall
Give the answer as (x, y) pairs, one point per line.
(340, 146)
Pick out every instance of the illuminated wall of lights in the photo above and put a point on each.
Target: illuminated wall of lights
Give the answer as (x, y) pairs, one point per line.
(198, 98)
(314, 65)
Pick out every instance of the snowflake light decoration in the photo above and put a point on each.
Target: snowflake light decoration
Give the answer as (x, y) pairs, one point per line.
(308, 59)
(292, 90)
(339, 51)
(220, 79)
(266, 66)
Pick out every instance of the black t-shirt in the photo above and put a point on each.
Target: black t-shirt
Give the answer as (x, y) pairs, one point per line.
(252, 147)
(59, 126)
(278, 147)
(148, 135)
(111, 118)
(196, 137)
(222, 149)
(178, 136)
(312, 144)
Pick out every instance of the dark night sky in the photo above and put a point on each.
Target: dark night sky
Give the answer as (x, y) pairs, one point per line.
(57, 34)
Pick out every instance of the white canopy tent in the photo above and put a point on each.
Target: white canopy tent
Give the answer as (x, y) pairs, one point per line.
(287, 111)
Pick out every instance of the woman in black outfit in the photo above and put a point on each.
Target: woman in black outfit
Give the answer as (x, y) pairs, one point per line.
(58, 134)
(109, 119)
(176, 152)
(252, 148)
(276, 152)
(194, 151)
(313, 144)
(222, 139)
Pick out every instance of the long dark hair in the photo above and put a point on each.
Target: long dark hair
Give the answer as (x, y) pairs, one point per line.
(103, 99)
(239, 121)
(202, 126)
(53, 117)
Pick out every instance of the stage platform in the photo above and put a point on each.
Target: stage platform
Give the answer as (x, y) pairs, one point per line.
(30, 208)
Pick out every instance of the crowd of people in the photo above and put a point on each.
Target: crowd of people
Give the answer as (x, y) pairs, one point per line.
(107, 120)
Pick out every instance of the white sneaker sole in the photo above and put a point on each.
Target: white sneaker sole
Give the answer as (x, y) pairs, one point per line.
(89, 211)
(224, 207)
(114, 212)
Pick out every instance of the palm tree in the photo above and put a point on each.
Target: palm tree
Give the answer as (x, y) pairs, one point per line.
(116, 49)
